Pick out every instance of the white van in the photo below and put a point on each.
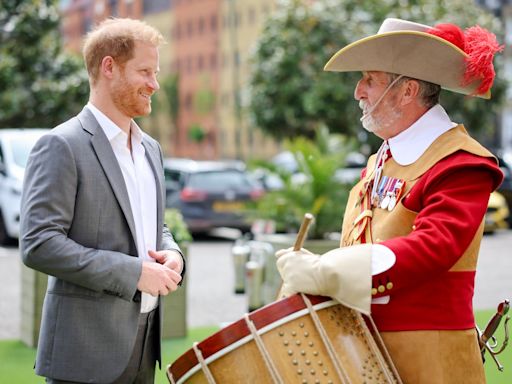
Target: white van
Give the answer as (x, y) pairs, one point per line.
(15, 146)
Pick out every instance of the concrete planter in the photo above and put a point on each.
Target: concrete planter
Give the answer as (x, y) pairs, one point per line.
(33, 289)
(175, 308)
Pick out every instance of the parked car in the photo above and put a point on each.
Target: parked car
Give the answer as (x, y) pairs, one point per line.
(210, 194)
(497, 213)
(505, 188)
(15, 146)
(349, 174)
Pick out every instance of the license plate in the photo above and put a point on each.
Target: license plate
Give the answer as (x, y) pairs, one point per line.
(227, 206)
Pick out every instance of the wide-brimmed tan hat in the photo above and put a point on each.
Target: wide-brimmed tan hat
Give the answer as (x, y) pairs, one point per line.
(422, 52)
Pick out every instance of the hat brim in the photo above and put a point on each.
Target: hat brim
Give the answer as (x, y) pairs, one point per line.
(411, 53)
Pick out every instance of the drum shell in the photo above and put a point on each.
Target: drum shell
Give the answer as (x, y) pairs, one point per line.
(294, 345)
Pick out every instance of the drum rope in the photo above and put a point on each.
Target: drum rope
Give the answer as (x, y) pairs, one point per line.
(204, 366)
(325, 339)
(383, 349)
(261, 346)
(171, 377)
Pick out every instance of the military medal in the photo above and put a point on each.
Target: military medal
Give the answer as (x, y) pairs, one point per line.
(381, 191)
(378, 183)
(386, 201)
(387, 192)
(396, 193)
(392, 203)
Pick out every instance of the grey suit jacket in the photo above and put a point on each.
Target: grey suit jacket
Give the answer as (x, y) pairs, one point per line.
(77, 227)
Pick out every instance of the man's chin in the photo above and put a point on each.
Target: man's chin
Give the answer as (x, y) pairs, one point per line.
(143, 112)
(372, 128)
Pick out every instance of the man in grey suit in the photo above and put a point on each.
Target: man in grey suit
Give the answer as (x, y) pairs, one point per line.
(92, 219)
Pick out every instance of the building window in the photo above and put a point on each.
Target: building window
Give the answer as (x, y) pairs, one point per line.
(236, 59)
(187, 103)
(86, 24)
(225, 99)
(213, 23)
(200, 26)
(154, 6)
(252, 15)
(189, 64)
(200, 63)
(213, 61)
(113, 7)
(190, 28)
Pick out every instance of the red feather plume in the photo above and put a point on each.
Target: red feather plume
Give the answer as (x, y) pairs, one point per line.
(449, 32)
(480, 45)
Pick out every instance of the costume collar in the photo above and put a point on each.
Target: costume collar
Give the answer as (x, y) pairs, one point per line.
(409, 145)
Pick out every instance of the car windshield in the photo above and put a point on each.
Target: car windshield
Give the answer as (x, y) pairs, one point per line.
(21, 147)
(219, 180)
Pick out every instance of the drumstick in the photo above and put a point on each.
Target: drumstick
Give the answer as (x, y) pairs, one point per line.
(299, 241)
(303, 231)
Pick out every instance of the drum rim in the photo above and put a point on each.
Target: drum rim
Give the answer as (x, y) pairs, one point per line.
(237, 331)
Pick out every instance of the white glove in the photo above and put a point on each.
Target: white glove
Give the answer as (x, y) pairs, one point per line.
(343, 274)
(286, 290)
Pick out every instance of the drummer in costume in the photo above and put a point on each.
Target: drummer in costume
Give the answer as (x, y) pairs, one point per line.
(413, 224)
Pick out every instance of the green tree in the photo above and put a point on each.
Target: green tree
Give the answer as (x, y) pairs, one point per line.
(40, 85)
(291, 94)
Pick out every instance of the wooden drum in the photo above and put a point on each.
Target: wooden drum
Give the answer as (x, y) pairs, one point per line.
(300, 339)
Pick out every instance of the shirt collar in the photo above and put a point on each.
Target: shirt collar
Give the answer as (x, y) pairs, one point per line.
(409, 145)
(111, 129)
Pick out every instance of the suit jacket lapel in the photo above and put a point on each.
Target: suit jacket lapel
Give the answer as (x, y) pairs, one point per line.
(154, 159)
(108, 162)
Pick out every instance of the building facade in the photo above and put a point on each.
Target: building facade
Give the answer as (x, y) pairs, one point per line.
(207, 55)
(242, 24)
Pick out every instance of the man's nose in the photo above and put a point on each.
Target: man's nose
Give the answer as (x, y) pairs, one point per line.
(358, 91)
(153, 83)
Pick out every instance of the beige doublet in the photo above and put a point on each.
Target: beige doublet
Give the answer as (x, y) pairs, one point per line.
(422, 356)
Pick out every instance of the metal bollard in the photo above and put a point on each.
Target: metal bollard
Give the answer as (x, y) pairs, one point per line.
(254, 280)
(240, 252)
(264, 253)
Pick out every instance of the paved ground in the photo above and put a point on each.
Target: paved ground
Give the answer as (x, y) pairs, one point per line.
(211, 299)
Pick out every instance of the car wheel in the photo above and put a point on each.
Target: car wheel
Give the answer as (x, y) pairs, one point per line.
(5, 239)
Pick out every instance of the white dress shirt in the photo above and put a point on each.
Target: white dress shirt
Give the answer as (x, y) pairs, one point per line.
(140, 184)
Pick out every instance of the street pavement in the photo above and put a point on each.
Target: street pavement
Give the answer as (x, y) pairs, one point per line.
(210, 295)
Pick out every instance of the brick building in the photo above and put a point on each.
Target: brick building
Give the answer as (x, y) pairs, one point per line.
(208, 49)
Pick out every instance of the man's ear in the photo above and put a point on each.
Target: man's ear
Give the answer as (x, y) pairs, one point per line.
(107, 66)
(410, 93)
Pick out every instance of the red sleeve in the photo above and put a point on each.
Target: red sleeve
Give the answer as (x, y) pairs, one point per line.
(451, 200)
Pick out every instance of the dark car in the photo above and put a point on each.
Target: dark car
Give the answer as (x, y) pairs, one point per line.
(210, 194)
